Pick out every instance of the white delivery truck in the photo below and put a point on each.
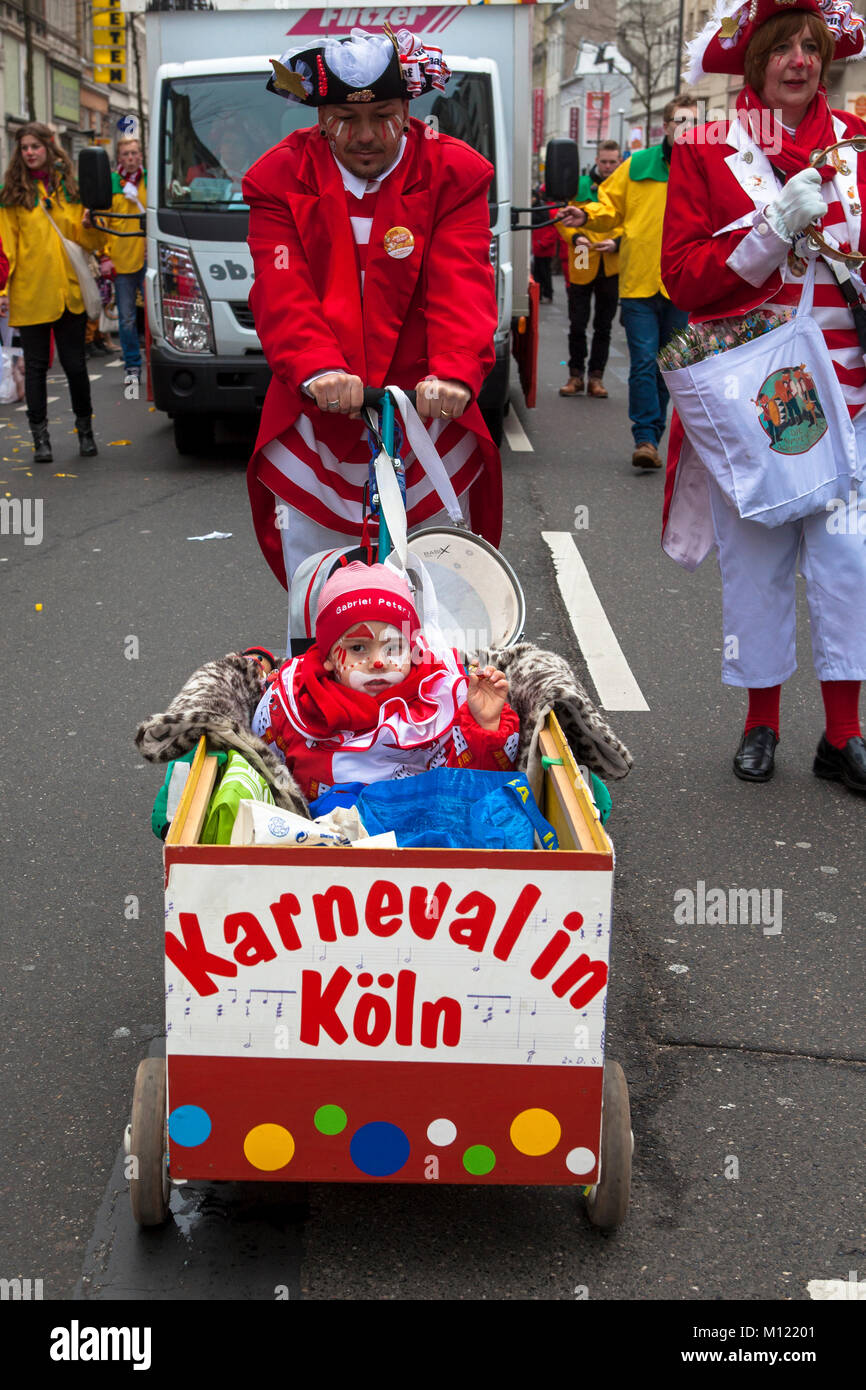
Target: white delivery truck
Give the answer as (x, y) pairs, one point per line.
(211, 117)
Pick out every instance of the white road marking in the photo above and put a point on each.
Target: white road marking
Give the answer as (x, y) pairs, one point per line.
(838, 1288)
(51, 400)
(96, 377)
(616, 686)
(518, 440)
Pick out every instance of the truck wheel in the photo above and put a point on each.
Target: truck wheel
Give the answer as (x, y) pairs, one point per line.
(149, 1186)
(607, 1202)
(193, 434)
(494, 419)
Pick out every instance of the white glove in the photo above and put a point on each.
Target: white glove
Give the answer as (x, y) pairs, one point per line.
(798, 204)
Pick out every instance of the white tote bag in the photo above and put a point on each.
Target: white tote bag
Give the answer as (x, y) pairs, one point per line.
(80, 262)
(769, 421)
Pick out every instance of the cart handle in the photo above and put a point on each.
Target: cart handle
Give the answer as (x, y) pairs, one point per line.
(374, 395)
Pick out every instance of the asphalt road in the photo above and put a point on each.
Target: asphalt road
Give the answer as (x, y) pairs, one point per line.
(737, 1045)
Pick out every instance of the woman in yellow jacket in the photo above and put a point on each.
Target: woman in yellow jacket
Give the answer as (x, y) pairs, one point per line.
(44, 294)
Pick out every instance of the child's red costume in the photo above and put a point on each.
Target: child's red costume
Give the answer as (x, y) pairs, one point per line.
(328, 733)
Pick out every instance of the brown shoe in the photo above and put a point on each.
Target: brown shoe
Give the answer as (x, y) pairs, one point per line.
(646, 456)
(594, 387)
(573, 387)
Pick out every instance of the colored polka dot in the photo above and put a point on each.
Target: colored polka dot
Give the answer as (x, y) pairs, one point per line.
(535, 1132)
(442, 1132)
(580, 1161)
(330, 1119)
(189, 1125)
(479, 1160)
(269, 1147)
(379, 1149)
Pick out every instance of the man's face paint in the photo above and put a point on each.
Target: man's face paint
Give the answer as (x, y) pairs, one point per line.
(370, 657)
(365, 137)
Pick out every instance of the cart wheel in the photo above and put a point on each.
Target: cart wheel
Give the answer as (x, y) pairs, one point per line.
(149, 1187)
(607, 1201)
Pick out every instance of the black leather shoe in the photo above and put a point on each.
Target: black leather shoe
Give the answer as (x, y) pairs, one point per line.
(753, 760)
(846, 764)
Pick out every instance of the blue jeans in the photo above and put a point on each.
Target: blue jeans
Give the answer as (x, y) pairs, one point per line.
(125, 290)
(648, 324)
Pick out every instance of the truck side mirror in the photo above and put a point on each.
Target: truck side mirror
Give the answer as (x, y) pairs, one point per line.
(94, 178)
(561, 170)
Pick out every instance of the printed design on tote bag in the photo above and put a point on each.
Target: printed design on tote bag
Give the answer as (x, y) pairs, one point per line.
(790, 410)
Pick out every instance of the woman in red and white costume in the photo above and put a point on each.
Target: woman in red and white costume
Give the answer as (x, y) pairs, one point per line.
(370, 236)
(741, 197)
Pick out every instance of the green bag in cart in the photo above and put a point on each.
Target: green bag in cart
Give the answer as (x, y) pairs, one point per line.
(160, 819)
(239, 782)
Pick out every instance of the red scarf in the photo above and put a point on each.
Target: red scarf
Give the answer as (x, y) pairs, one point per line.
(327, 707)
(814, 132)
(135, 177)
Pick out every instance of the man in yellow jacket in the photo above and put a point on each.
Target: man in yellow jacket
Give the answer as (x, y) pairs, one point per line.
(127, 252)
(633, 198)
(593, 273)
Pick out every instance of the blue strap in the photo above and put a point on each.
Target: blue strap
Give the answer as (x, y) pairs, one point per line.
(519, 788)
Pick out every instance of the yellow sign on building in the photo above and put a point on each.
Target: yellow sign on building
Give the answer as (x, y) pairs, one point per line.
(109, 42)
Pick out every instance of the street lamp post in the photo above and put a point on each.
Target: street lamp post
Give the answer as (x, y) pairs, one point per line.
(679, 65)
(621, 114)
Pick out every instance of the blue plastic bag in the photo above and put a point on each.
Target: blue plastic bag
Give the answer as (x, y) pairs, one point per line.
(457, 808)
(341, 794)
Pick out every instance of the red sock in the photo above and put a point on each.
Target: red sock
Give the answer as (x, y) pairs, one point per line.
(764, 708)
(841, 699)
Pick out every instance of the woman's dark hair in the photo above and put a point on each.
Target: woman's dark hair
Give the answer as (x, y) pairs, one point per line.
(19, 187)
(777, 30)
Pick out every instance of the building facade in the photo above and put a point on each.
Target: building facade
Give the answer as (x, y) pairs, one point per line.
(563, 36)
(47, 74)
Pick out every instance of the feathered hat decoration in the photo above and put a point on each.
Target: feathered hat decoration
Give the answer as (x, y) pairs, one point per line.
(721, 45)
(364, 67)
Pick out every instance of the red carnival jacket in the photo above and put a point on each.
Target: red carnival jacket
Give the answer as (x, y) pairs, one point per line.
(433, 312)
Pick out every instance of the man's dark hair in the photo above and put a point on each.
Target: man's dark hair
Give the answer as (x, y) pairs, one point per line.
(681, 99)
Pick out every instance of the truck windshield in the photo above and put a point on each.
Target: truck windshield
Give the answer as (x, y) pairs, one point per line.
(214, 127)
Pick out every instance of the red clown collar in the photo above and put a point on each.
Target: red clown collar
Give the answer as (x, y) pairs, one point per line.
(721, 45)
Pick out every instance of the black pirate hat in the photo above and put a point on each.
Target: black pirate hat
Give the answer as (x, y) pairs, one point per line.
(364, 67)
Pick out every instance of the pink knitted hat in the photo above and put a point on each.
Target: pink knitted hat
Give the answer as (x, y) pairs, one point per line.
(357, 593)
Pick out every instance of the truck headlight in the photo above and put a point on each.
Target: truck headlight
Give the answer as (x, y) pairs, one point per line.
(185, 313)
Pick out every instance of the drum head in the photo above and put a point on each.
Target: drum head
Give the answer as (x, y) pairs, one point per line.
(479, 598)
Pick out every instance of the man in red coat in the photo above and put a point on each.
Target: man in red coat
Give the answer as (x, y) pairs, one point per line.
(370, 237)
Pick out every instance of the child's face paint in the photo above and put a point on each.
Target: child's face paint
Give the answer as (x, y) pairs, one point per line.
(370, 657)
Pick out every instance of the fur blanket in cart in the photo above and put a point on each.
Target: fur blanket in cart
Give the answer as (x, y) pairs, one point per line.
(220, 699)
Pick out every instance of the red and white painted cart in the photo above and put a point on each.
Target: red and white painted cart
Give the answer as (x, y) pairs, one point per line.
(407, 1015)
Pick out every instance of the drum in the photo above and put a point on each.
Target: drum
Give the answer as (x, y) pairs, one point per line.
(464, 590)
(478, 596)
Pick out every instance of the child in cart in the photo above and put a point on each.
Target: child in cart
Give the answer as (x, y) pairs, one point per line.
(369, 700)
